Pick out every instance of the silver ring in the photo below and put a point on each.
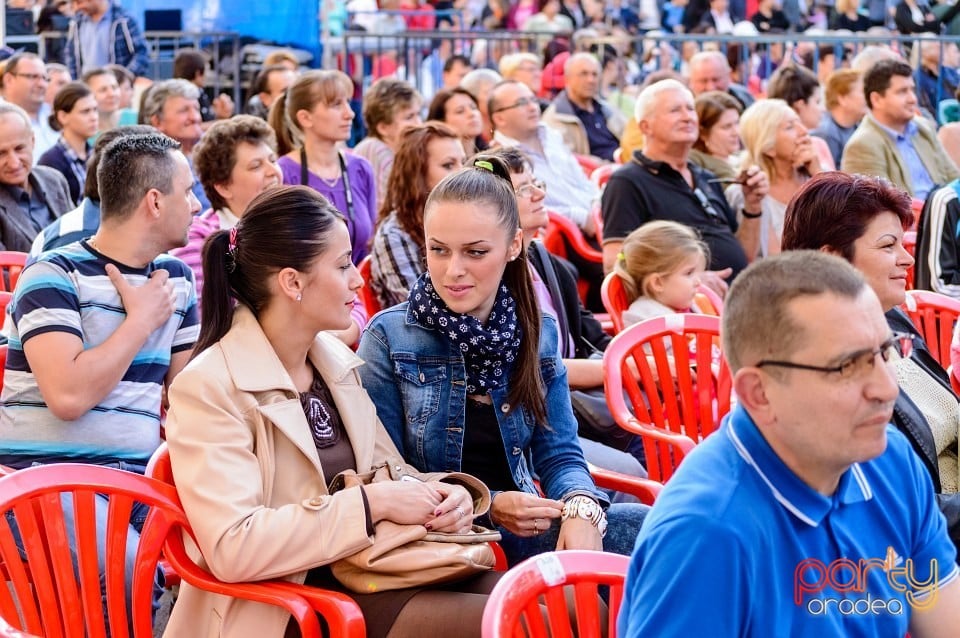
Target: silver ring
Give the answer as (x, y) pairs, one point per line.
(460, 511)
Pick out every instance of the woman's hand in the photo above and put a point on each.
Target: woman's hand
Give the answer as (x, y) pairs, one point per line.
(455, 512)
(579, 533)
(404, 502)
(524, 514)
(805, 156)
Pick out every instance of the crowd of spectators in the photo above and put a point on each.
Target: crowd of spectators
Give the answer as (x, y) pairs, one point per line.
(705, 143)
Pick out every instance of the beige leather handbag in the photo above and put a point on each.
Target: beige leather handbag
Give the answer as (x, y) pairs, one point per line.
(404, 556)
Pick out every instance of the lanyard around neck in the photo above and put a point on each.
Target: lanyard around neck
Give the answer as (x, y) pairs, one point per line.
(343, 171)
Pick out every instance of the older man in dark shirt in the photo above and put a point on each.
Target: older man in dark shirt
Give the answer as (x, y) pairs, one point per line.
(31, 197)
(661, 183)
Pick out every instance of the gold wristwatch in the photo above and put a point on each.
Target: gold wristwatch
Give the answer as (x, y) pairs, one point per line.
(588, 509)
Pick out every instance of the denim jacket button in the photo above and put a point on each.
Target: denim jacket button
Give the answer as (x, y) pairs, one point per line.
(516, 451)
(505, 408)
(422, 378)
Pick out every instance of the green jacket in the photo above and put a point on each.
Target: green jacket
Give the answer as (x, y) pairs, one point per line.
(870, 151)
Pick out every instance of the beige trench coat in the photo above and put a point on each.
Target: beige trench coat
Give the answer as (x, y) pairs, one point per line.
(251, 483)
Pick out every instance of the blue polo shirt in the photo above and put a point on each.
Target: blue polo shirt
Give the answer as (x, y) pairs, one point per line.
(738, 545)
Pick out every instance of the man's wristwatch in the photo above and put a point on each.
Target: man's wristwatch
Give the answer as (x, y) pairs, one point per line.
(588, 509)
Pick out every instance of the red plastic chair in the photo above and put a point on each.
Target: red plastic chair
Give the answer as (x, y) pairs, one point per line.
(160, 469)
(588, 164)
(560, 228)
(53, 602)
(341, 613)
(934, 316)
(614, 298)
(367, 295)
(684, 393)
(708, 302)
(5, 299)
(515, 602)
(917, 206)
(11, 265)
(601, 175)
(910, 244)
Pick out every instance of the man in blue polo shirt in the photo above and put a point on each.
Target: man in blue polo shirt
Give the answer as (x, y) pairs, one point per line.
(805, 515)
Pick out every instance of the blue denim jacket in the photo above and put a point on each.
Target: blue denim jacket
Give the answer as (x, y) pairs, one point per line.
(417, 379)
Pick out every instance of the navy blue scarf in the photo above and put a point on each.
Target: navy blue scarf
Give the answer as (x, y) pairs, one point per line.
(488, 350)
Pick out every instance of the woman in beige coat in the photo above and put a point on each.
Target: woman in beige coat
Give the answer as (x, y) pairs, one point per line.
(270, 410)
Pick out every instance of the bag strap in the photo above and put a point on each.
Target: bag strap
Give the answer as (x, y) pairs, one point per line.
(554, 285)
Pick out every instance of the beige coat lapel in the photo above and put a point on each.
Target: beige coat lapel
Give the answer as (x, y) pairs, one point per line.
(255, 368)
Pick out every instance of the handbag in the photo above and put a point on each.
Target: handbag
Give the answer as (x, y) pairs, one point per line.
(404, 556)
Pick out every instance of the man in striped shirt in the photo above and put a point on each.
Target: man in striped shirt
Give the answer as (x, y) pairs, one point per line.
(100, 326)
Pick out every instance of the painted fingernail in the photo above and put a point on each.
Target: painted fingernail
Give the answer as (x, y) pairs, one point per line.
(428, 526)
(437, 513)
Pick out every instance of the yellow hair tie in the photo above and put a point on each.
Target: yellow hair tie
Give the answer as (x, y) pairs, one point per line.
(484, 164)
(621, 257)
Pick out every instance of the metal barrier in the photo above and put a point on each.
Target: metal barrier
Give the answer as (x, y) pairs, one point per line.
(412, 55)
(406, 55)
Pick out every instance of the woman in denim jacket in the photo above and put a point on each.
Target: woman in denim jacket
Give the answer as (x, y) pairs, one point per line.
(466, 376)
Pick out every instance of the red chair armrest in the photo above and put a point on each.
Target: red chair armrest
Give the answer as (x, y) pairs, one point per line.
(644, 489)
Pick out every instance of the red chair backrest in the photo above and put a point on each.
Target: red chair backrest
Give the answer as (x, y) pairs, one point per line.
(518, 599)
(708, 302)
(367, 295)
(910, 244)
(687, 390)
(917, 206)
(588, 164)
(614, 298)
(5, 299)
(934, 316)
(560, 228)
(52, 600)
(601, 175)
(11, 265)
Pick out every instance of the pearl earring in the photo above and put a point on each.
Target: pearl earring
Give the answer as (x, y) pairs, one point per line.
(299, 297)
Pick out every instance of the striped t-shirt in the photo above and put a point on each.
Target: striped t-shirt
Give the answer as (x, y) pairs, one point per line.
(67, 290)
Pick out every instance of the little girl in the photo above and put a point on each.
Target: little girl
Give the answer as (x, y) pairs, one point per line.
(660, 265)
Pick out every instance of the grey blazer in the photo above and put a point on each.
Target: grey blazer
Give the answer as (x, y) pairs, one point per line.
(17, 230)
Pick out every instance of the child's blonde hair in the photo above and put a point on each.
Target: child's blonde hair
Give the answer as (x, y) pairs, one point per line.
(656, 247)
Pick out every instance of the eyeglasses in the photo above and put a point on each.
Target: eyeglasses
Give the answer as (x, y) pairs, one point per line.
(33, 77)
(524, 101)
(527, 189)
(858, 364)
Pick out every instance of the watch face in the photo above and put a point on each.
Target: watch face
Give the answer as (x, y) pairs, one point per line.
(588, 508)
